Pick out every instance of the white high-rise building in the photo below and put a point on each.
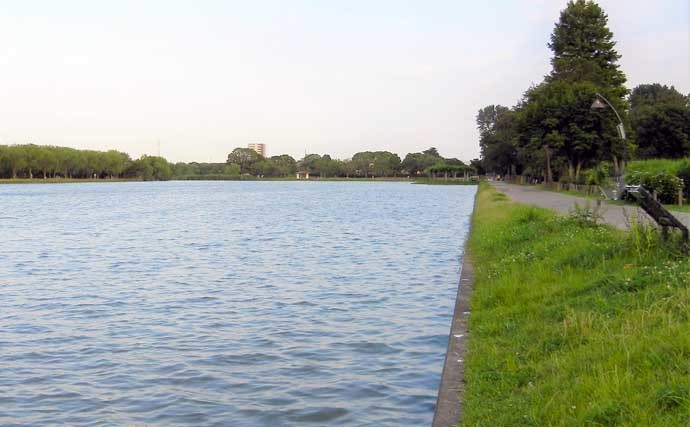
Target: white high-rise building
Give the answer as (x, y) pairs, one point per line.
(259, 148)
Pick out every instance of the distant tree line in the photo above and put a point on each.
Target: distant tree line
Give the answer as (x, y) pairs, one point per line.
(30, 161)
(39, 161)
(365, 164)
(554, 133)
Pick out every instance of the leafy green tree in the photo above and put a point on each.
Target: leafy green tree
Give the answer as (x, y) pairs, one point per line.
(115, 163)
(386, 163)
(498, 138)
(431, 152)
(662, 131)
(363, 163)
(488, 116)
(656, 94)
(284, 164)
(310, 163)
(556, 118)
(182, 169)
(477, 166)
(327, 167)
(232, 170)
(264, 168)
(660, 121)
(417, 163)
(66, 164)
(150, 168)
(244, 158)
(347, 168)
(17, 159)
(555, 122)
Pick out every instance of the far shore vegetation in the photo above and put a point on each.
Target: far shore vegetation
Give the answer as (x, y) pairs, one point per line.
(574, 323)
(35, 163)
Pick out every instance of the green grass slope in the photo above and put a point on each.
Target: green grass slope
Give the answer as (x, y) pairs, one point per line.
(574, 324)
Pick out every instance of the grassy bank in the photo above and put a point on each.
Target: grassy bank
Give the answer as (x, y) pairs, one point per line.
(574, 324)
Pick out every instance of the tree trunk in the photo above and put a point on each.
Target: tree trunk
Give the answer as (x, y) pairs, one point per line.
(616, 167)
(577, 170)
(549, 175)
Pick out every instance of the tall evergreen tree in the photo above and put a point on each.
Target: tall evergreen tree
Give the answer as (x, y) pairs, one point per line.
(584, 50)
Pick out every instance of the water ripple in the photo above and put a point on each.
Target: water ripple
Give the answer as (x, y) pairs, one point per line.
(226, 303)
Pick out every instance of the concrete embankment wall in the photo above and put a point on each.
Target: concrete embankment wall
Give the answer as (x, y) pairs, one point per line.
(448, 406)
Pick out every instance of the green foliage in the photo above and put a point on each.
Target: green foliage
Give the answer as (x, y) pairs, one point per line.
(32, 161)
(647, 169)
(584, 50)
(284, 165)
(571, 326)
(656, 94)
(660, 121)
(666, 185)
(557, 116)
(245, 158)
(662, 130)
(417, 163)
(150, 168)
(553, 131)
(498, 138)
(447, 170)
(598, 175)
(376, 163)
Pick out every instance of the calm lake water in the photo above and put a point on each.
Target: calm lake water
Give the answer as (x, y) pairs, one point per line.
(226, 303)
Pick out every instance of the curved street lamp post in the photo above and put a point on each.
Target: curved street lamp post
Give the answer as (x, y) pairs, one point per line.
(598, 105)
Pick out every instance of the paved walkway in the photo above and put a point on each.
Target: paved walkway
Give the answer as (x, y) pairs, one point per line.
(563, 203)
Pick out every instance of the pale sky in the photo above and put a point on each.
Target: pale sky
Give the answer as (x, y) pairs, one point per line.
(323, 76)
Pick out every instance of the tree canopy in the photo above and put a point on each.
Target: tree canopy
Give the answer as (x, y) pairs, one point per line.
(44, 161)
(584, 50)
(553, 131)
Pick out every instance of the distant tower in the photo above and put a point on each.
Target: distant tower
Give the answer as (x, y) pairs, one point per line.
(259, 148)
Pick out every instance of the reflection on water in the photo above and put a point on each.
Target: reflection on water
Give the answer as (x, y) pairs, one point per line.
(226, 303)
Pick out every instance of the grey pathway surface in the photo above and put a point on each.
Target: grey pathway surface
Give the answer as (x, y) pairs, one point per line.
(613, 214)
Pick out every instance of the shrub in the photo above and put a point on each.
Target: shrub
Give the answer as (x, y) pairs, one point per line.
(684, 174)
(665, 184)
(597, 175)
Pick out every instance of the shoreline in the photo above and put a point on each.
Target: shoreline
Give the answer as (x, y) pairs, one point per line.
(420, 181)
(448, 412)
